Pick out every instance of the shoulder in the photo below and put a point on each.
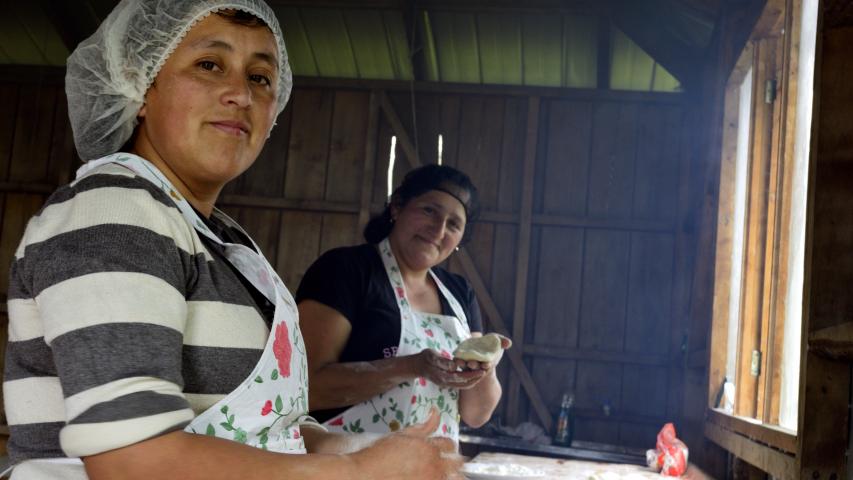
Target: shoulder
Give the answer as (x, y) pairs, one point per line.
(110, 199)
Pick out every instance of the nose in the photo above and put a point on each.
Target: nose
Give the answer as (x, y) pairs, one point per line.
(439, 226)
(237, 91)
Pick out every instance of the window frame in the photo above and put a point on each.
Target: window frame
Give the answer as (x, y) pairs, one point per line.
(767, 233)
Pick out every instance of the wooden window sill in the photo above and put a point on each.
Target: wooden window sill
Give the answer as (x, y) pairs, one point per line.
(779, 464)
(773, 436)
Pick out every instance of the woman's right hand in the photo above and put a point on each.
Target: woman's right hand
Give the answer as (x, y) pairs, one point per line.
(443, 371)
(411, 455)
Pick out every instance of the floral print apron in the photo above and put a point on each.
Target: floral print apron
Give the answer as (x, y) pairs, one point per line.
(410, 402)
(266, 410)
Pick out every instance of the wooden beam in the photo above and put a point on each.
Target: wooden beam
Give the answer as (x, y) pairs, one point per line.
(523, 248)
(564, 93)
(772, 461)
(570, 353)
(320, 206)
(825, 384)
(492, 6)
(370, 141)
(678, 58)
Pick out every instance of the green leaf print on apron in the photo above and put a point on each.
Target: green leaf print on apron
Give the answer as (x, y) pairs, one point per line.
(410, 402)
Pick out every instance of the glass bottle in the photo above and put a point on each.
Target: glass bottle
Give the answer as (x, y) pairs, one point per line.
(565, 422)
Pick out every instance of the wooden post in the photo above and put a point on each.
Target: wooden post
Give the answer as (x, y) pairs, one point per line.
(827, 303)
(523, 248)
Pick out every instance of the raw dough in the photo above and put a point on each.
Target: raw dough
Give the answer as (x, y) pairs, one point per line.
(479, 349)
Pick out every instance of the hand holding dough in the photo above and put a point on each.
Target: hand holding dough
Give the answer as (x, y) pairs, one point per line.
(483, 349)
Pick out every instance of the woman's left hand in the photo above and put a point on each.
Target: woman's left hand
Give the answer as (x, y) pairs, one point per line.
(506, 343)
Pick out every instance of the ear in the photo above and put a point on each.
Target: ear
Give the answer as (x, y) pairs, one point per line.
(394, 206)
(141, 113)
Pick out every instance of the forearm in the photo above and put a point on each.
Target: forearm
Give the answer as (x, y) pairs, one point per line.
(318, 441)
(185, 456)
(477, 403)
(343, 384)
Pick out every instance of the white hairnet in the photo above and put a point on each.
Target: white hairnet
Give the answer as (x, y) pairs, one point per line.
(108, 73)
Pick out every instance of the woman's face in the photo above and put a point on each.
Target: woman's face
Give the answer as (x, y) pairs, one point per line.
(210, 109)
(427, 229)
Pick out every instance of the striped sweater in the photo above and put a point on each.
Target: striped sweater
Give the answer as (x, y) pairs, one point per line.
(123, 322)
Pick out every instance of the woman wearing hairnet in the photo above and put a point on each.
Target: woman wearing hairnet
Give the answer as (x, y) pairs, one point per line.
(149, 337)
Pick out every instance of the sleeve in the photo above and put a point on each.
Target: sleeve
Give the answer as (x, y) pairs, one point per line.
(336, 280)
(107, 269)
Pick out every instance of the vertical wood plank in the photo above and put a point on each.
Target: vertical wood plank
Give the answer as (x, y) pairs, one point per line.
(644, 391)
(266, 177)
(649, 293)
(309, 145)
(513, 135)
(557, 300)
(567, 157)
(602, 322)
(263, 225)
(522, 264)
(9, 98)
(369, 165)
(611, 172)
(346, 146)
(63, 161)
(298, 246)
(556, 377)
(597, 384)
(338, 231)
(656, 184)
(825, 385)
(33, 131)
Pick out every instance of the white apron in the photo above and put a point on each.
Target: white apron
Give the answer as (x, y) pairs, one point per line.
(264, 411)
(410, 402)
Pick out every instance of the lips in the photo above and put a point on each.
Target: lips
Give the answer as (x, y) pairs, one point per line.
(231, 127)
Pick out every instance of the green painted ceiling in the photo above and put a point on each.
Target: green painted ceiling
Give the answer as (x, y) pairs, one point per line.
(534, 48)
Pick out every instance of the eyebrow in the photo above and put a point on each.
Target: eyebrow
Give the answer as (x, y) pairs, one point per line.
(451, 213)
(222, 45)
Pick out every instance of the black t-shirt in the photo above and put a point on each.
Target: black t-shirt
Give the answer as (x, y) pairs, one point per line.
(352, 280)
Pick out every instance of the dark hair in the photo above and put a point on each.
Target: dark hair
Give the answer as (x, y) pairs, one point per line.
(418, 182)
(241, 18)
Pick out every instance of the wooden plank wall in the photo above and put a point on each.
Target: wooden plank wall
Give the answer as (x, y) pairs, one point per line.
(608, 205)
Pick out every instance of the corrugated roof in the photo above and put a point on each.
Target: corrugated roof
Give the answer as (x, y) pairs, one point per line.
(491, 47)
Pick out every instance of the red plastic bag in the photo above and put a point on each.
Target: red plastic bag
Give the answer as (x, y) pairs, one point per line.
(670, 456)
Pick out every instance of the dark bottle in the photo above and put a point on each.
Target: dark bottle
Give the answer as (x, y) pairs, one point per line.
(565, 422)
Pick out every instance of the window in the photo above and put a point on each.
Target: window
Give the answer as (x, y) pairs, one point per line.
(756, 333)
